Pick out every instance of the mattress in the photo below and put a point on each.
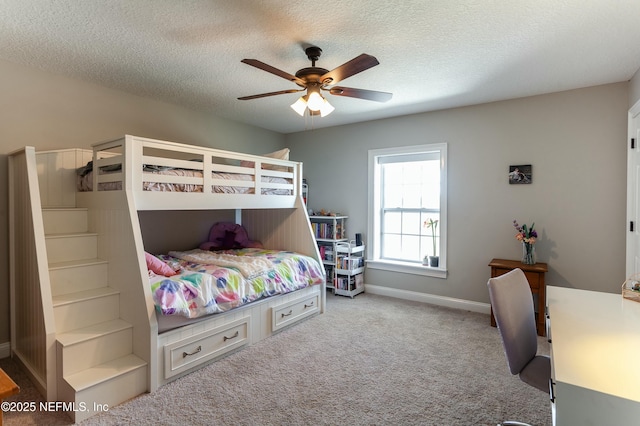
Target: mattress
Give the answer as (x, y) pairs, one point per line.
(212, 282)
(85, 182)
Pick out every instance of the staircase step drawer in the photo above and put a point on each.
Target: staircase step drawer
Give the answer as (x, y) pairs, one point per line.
(82, 309)
(293, 311)
(68, 247)
(65, 221)
(70, 277)
(198, 349)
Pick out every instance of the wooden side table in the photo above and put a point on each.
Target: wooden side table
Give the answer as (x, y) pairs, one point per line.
(535, 276)
(7, 388)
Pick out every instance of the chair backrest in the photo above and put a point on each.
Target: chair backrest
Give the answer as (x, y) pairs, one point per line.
(512, 305)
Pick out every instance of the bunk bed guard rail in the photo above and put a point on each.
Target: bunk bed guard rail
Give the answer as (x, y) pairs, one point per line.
(162, 175)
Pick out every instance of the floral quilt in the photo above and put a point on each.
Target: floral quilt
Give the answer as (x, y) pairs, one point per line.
(212, 282)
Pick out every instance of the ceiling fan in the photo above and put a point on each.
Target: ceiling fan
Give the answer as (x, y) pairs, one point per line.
(315, 79)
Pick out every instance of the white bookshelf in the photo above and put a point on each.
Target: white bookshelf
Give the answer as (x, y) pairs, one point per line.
(328, 232)
(349, 272)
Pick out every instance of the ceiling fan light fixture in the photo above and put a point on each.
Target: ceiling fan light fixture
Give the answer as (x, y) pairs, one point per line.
(315, 101)
(326, 108)
(314, 79)
(300, 106)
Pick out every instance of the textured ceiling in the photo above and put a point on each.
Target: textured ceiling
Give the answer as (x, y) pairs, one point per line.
(433, 54)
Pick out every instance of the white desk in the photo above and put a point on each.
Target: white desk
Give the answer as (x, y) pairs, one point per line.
(595, 357)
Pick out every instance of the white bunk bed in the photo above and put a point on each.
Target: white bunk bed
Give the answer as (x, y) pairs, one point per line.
(268, 204)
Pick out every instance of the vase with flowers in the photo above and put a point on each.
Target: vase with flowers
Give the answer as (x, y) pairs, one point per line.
(433, 260)
(528, 236)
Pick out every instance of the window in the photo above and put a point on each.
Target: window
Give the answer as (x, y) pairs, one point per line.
(407, 186)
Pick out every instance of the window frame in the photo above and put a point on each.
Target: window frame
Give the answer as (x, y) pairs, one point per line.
(374, 212)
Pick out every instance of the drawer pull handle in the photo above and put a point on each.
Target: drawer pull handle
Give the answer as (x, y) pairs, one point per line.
(185, 354)
(232, 337)
(552, 395)
(286, 315)
(310, 305)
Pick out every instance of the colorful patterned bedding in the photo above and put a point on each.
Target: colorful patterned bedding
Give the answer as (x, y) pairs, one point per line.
(217, 281)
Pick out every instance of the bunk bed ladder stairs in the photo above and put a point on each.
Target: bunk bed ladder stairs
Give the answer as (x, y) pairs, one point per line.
(96, 367)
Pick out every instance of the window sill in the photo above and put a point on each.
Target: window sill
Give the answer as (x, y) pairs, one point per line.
(407, 268)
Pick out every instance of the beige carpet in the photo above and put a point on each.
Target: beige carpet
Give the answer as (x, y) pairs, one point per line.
(370, 360)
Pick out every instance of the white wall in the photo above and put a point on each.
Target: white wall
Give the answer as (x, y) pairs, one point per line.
(50, 112)
(575, 142)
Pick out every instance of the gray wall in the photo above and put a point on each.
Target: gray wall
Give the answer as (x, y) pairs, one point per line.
(50, 112)
(575, 141)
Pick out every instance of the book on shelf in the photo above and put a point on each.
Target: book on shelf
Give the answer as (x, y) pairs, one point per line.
(326, 230)
(349, 283)
(350, 262)
(322, 230)
(359, 281)
(328, 270)
(326, 252)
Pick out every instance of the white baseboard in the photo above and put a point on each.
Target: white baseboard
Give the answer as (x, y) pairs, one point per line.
(450, 302)
(5, 350)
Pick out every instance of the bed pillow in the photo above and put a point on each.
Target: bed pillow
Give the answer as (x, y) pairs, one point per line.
(157, 266)
(282, 154)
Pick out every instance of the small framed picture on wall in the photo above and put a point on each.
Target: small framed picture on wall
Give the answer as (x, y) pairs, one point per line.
(520, 174)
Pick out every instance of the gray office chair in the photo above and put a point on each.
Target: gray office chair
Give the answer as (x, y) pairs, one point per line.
(512, 305)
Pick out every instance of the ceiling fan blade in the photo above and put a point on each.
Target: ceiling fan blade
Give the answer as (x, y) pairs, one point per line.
(370, 95)
(264, 95)
(268, 68)
(346, 70)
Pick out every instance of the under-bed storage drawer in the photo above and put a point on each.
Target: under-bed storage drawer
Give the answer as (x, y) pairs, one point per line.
(202, 347)
(294, 310)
